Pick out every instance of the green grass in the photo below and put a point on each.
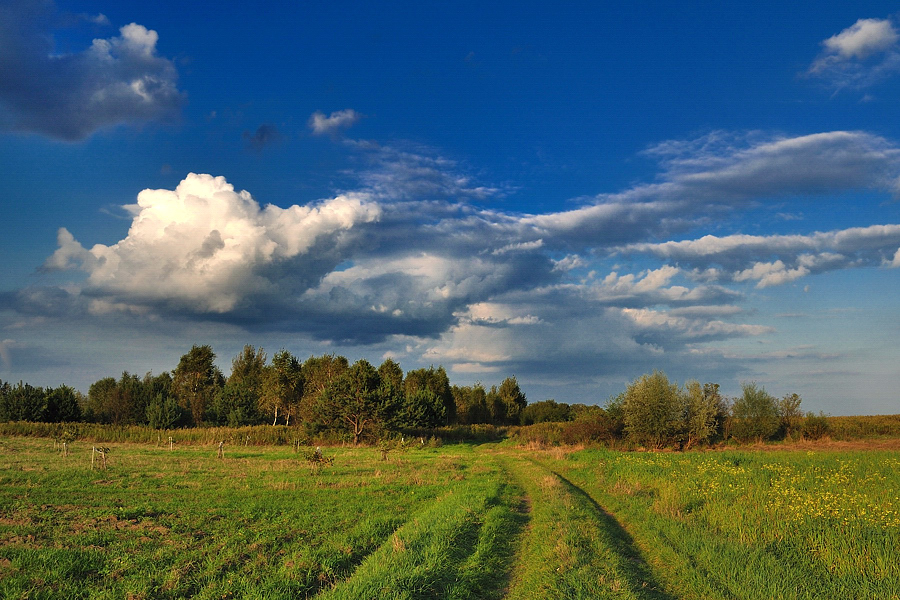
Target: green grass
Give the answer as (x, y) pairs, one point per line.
(459, 521)
(796, 524)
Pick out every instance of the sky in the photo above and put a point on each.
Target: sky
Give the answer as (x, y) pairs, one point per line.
(571, 193)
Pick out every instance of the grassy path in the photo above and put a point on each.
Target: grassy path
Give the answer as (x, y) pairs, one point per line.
(459, 547)
(573, 548)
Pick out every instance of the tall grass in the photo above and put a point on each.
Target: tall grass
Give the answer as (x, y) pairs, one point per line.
(756, 525)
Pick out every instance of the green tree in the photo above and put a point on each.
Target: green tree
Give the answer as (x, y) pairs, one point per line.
(513, 400)
(248, 369)
(755, 414)
(102, 401)
(196, 382)
(163, 412)
(702, 411)
(390, 394)
(282, 387)
(61, 405)
(471, 404)
(351, 402)
(653, 410)
(435, 381)
(790, 414)
(546, 411)
(23, 402)
(319, 372)
(424, 409)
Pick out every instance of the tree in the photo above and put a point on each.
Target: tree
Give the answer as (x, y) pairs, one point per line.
(319, 372)
(351, 402)
(390, 394)
(755, 414)
(789, 414)
(424, 409)
(435, 381)
(235, 405)
(701, 413)
(546, 411)
(163, 412)
(653, 410)
(102, 401)
(248, 369)
(22, 402)
(282, 387)
(197, 380)
(513, 400)
(471, 404)
(391, 374)
(61, 405)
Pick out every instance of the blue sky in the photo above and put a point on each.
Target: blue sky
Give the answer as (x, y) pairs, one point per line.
(575, 195)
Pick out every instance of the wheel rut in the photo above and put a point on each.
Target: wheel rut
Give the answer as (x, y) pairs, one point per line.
(572, 546)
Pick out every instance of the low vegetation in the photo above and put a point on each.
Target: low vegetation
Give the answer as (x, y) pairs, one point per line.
(417, 519)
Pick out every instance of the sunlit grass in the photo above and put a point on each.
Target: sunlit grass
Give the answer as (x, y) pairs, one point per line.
(459, 521)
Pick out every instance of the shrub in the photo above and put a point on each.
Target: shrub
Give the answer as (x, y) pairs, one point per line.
(815, 426)
(755, 414)
(653, 410)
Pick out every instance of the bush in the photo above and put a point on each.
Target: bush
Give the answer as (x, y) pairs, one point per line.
(755, 415)
(815, 426)
(653, 410)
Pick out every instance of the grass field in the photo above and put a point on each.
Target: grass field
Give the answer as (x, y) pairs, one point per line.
(459, 521)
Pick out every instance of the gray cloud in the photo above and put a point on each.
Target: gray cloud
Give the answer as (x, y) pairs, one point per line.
(265, 135)
(116, 80)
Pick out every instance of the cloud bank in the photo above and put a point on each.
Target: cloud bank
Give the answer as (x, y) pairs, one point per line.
(417, 259)
(69, 96)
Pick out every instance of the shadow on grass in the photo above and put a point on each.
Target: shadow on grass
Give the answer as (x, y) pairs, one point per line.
(640, 578)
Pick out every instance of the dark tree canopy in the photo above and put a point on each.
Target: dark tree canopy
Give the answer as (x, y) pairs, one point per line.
(197, 380)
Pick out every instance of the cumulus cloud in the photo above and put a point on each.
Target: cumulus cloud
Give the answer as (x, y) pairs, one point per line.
(860, 55)
(206, 248)
(336, 121)
(116, 80)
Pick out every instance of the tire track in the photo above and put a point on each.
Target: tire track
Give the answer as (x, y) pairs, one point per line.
(573, 547)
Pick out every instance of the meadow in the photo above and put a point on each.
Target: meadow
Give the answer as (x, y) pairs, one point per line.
(489, 520)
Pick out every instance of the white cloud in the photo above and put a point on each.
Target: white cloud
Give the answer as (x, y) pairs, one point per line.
(895, 263)
(341, 119)
(690, 328)
(206, 247)
(860, 55)
(116, 80)
(768, 274)
(863, 38)
(799, 255)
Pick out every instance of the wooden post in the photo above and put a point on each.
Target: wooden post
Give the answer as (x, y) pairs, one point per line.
(170, 442)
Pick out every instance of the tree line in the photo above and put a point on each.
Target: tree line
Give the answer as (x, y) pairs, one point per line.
(360, 401)
(322, 393)
(656, 413)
